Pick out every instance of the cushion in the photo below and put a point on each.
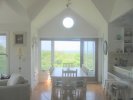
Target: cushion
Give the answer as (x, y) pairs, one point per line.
(15, 79)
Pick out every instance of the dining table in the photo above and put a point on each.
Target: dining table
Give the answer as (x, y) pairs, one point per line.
(56, 75)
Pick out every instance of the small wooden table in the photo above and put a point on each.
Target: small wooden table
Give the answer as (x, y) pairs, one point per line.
(57, 75)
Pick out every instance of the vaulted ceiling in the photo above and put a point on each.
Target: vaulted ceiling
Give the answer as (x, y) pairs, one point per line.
(105, 7)
(39, 12)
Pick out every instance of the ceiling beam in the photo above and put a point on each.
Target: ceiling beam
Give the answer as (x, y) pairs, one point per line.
(105, 7)
(17, 7)
(36, 7)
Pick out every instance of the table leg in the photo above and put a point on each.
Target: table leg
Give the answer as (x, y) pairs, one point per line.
(52, 93)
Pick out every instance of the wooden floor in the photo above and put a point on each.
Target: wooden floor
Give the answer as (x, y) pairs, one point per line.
(43, 92)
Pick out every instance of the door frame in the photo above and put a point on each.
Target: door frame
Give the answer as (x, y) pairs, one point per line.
(90, 79)
(81, 40)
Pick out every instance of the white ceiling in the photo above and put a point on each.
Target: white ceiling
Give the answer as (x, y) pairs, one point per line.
(84, 8)
(42, 11)
(9, 14)
(28, 3)
(125, 20)
(33, 7)
(105, 7)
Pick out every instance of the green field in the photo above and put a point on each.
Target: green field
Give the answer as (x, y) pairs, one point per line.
(63, 57)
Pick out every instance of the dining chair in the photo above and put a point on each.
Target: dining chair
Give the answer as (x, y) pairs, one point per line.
(56, 89)
(85, 69)
(69, 73)
(51, 70)
(68, 65)
(116, 90)
(69, 80)
(56, 85)
(81, 89)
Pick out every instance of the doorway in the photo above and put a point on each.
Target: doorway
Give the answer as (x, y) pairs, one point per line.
(90, 58)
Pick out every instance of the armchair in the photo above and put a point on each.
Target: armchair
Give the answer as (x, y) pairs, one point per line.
(14, 92)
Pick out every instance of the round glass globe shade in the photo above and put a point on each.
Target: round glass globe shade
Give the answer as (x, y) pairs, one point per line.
(68, 22)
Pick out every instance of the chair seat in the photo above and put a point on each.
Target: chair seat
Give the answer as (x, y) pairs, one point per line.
(116, 90)
(58, 83)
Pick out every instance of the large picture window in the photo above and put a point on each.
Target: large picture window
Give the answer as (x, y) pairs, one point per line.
(58, 53)
(67, 52)
(45, 55)
(74, 53)
(3, 54)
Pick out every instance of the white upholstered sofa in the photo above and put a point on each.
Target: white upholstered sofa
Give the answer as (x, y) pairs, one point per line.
(15, 88)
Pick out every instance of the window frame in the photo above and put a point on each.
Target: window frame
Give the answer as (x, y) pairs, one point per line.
(96, 56)
(81, 49)
(52, 47)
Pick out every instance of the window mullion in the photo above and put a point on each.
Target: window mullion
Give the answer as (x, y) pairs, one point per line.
(81, 53)
(52, 53)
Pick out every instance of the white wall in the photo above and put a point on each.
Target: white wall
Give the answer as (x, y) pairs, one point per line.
(13, 49)
(55, 29)
(100, 60)
(104, 57)
(34, 57)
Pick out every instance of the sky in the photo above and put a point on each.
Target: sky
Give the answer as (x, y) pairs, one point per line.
(3, 41)
(62, 45)
(73, 46)
(67, 46)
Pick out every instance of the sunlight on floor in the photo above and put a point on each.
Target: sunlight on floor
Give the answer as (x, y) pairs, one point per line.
(47, 83)
(43, 91)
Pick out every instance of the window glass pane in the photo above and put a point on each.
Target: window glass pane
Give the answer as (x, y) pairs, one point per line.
(67, 52)
(45, 55)
(3, 64)
(85, 53)
(3, 55)
(2, 44)
(89, 57)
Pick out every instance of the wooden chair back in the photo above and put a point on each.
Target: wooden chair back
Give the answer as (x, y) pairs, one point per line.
(69, 65)
(69, 73)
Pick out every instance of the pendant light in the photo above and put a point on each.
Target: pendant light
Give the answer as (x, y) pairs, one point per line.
(68, 22)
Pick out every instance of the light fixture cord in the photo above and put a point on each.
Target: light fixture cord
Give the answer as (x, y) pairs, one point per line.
(68, 3)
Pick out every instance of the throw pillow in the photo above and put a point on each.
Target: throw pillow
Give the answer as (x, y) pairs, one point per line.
(15, 79)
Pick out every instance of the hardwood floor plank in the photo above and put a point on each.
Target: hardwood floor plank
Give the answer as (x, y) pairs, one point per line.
(43, 92)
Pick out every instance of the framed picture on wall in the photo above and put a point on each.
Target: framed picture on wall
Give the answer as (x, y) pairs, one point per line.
(19, 38)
